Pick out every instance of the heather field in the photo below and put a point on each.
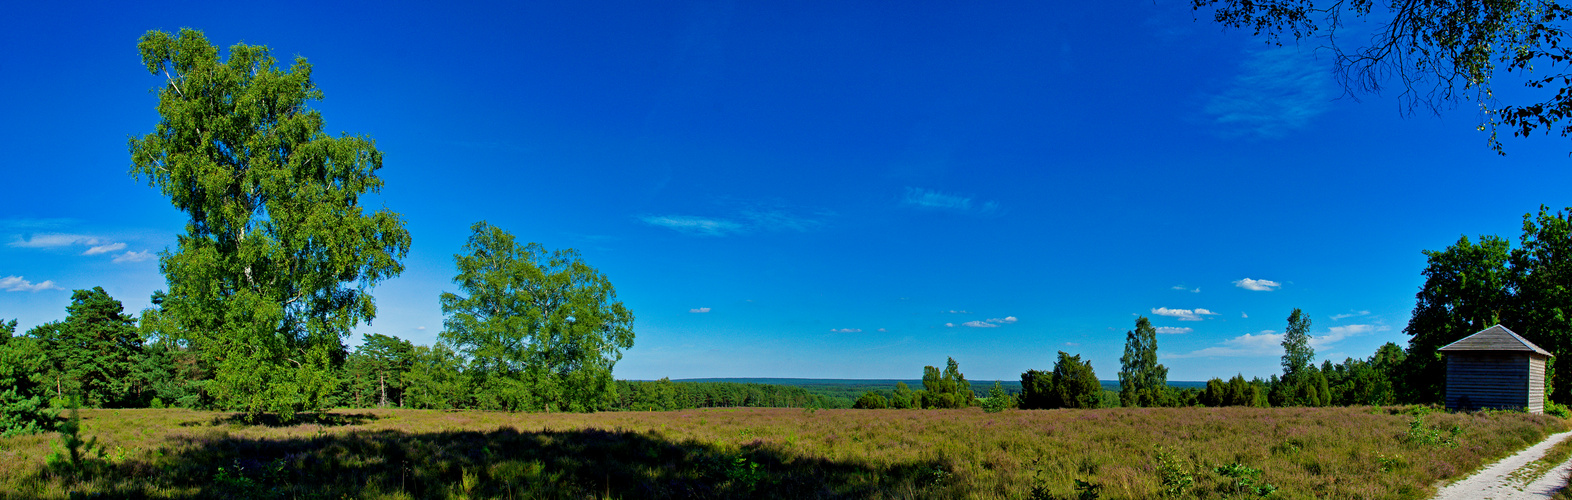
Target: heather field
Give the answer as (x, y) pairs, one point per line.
(1357, 452)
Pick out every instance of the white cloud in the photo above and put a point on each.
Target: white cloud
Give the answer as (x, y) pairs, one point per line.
(979, 324)
(1243, 315)
(847, 330)
(106, 248)
(95, 245)
(693, 225)
(1338, 333)
(699, 310)
(951, 325)
(1264, 343)
(421, 328)
(883, 330)
(1183, 314)
(1071, 344)
(1270, 343)
(779, 219)
(1004, 320)
(1278, 90)
(50, 240)
(1180, 287)
(1174, 329)
(134, 256)
(1337, 317)
(1257, 285)
(935, 200)
(17, 284)
(952, 311)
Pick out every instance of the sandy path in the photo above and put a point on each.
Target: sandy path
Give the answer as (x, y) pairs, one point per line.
(1496, 481)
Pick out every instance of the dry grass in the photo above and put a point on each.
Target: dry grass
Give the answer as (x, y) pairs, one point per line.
(781, 453)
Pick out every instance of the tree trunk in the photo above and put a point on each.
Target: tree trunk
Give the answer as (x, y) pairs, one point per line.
(382, 381)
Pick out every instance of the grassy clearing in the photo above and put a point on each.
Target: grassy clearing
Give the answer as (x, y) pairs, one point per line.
(731, 453)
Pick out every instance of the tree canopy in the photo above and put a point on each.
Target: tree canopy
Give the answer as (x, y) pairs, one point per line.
(1142, 381)
(1438, 53)
(278, 257)
(541, 329)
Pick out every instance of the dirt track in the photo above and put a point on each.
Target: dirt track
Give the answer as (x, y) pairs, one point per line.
(1498, 481)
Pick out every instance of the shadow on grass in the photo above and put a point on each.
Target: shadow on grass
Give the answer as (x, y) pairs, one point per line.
(504, 463)
(272, 420)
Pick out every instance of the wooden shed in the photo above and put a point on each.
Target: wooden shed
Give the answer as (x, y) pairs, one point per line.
(1495, 368)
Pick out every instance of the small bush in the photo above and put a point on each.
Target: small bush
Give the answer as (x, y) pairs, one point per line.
(1557, 409)
(1171, 473)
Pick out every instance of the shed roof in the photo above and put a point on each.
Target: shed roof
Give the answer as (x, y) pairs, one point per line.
(1495, 338)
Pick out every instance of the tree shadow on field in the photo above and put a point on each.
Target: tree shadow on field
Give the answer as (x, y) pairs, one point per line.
(273, 420)
(504, 463)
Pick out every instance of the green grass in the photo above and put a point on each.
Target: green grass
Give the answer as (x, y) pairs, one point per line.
(769, 453)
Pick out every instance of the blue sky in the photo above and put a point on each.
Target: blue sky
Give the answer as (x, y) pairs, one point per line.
(820, 189)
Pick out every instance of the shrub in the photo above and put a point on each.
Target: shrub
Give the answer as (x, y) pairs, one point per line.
(1557, 409)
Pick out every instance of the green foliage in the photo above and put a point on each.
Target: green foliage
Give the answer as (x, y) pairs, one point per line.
(435, 379)
(1142, 381)
(1557, 409)
(75, 456)
(94, 352)
(1235, 392)
(904, 397)
(279, 258)
(1075, 385)
(1036, 390)
(871, 401)
(541, 329)
(377, 372)
(1297, 353)
(665, 395)
(1465, 291)
(1419, 433)
(998, 400)
(1243, 480)
(22, 407)
(1541, 276)
(1173, 475)
(947, 389)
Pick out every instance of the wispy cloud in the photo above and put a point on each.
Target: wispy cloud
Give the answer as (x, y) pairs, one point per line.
(1174, 329)
(1278, 90)
(937, 200)
(693, 225)
(95, 245)
(847, 330)
(1270, 343)
(699, 310)
(1244, 315)
(17, 284)
(962, 311)
(751, 217)
(949, 325)
(1196, 314)
(1339, 317)
(1257, 285)
(979, 324)
(133, 256)
(52, 240)
(781, 219)
(105, 248)
(1005, 320)
(1337, 333)
(1185, 288)
(883, 330)
(1266, 342)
